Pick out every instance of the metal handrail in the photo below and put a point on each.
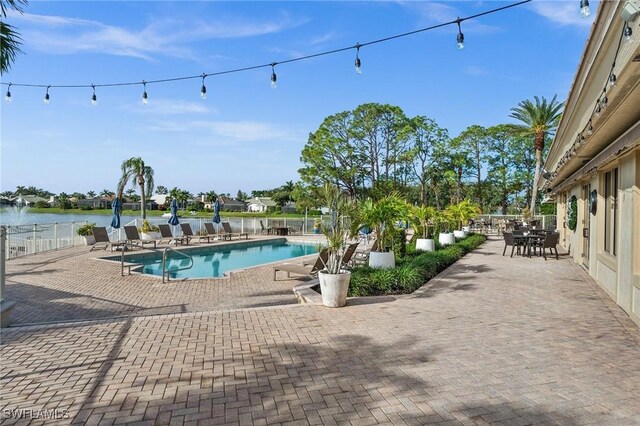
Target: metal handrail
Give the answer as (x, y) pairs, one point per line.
(164, 262)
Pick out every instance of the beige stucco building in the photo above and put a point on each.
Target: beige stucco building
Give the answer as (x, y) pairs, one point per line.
(595, 157)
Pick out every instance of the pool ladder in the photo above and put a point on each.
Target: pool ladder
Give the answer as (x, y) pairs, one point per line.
(165, 272)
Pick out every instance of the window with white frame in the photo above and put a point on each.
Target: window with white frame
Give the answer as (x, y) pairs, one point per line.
(610, 210)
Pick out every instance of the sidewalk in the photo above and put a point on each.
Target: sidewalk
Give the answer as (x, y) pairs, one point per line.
(492, 340)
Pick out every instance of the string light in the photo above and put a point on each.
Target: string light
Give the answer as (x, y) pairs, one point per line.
(612, 77)
(604, 102)
(274, 77)
(598, 110)
(272, 65)
(145, 97)
(590, 129)
(203, 89)
(628, 33)
(46, 96)
(94, 98)
(584, 8)
(357, 62)
(460, 38)
(7, 97)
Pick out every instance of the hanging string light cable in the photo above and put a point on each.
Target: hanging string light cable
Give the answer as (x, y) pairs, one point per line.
(271, 64)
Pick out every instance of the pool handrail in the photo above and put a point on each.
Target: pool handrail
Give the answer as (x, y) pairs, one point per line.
(164, 261)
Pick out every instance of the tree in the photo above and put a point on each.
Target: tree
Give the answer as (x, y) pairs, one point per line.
(181, 196)
(540, 120)
(91, 194)
(162, 190)
(10, 37)
(331, 155)
(473, 141)
(135, 170)
(107, 193)
(425, 135)
(500, 162)
(62, 201)
(241, 196)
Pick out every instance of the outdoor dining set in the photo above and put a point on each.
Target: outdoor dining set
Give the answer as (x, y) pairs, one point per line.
(527, 239)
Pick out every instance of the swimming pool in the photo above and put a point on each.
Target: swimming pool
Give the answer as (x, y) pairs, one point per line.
(216, 260)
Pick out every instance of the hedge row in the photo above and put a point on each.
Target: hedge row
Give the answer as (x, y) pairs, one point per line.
(411, 272)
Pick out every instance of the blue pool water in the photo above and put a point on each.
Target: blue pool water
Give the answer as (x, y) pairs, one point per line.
(214, 261)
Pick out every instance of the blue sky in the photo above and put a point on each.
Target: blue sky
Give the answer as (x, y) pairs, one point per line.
(246, 135)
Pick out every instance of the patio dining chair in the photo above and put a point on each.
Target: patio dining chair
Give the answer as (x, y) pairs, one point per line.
(514, 242)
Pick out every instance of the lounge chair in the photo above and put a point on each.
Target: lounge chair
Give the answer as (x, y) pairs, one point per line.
(346, 257)
(102, 239)
(306, 270)
(265, 231)
(211, 230)
(362, 256)
(165, 232)
(133, 237)
(187, 232)
(228, 233)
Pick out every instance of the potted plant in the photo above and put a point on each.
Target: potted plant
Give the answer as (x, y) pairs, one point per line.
(460, 214)
(442, 223)
(381, 216)
(334, 279)
(149, 231)
(421, 220)
(86, 232)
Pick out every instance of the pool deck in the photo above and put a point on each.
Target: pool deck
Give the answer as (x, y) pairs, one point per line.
(492, 340)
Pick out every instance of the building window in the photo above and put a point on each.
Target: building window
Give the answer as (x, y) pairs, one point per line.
(610, 210)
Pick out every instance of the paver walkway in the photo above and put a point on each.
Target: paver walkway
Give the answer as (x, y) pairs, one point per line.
(494, 340)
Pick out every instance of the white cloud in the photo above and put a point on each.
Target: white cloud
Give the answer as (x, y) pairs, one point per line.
(63, 35)
(170, 107)
(233, 131)
(475, 70)
(563, 12)
(433, 13)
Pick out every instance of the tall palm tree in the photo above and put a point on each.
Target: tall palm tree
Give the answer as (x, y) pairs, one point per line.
(140, 174)
(9, 36)
(540, 119)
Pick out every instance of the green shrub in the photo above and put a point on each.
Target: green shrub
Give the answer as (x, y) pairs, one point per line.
(411, 272)
(86, 230)
(147, 227)
(42, 204)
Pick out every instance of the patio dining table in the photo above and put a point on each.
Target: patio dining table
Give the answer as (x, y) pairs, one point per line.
(531, 239)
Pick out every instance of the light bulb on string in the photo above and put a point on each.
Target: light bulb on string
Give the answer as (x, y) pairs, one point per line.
(460, 38)
(274, 78)
(358, 63)
(7, 97)
(203, 89)
(628, 33)
(590, 129)
(604, 102)
(94, 98)
(46, 96)
(612, 79)
(584, 8)
(598, 110)
(145, 97)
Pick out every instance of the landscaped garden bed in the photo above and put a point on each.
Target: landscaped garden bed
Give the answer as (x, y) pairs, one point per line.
(412, 270)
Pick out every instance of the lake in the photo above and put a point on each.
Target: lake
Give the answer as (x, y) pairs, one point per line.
(16, 216)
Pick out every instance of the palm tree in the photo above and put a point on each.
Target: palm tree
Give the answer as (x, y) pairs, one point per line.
(91, 194)
(140, 174)
(540, 119)
(106, 193)
(10, 37)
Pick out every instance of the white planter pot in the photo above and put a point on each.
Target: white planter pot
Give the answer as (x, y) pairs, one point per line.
(379, 259)
(466, 229)
(446, 238)
(88, 240)
(334, 288)
(425, 244)
(149, 235)
(459, 234)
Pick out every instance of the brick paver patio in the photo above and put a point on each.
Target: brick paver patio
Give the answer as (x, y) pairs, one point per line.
(493, 340)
